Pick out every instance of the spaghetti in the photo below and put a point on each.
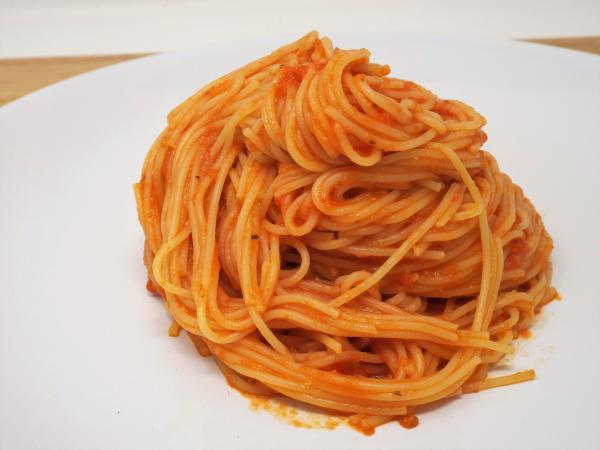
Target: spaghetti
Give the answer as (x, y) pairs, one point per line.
(338, 236)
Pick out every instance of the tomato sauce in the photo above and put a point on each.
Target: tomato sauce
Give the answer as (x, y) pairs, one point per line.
(289, 76)
(409, 421)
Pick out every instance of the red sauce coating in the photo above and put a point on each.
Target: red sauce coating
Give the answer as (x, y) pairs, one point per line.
(289, 76)
(408, 280)
(525, 334)
(409, 421)
(150, 286)
(285, 412)
(518, 247)
(517, 250)
(367, 430)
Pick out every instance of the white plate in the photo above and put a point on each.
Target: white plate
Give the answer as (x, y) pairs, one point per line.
(84, 357)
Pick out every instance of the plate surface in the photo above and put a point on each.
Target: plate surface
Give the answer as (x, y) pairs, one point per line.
(85, 361)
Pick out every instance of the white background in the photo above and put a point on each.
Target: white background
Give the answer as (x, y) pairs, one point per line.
(78, 27)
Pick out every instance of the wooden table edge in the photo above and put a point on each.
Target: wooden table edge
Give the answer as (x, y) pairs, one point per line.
(21, 76)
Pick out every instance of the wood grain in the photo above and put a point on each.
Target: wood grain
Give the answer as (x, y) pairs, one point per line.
(589, 44)
(21, 76)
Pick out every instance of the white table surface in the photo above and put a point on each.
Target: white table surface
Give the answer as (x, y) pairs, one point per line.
(77, 27)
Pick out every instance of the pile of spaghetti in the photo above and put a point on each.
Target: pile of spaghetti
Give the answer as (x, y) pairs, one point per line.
(338, 236)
